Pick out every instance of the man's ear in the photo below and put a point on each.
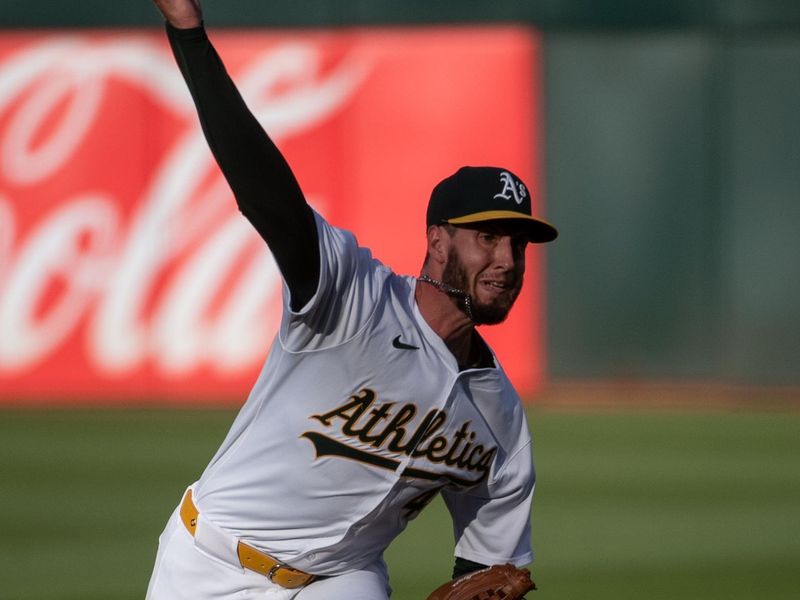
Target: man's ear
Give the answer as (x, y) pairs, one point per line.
(438, 244)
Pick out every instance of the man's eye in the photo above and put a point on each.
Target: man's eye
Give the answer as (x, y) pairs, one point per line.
(488, 238)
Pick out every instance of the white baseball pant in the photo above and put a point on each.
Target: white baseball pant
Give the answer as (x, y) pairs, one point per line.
(205, 568)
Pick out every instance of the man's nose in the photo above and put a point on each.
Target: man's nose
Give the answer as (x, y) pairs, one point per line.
(504, 253)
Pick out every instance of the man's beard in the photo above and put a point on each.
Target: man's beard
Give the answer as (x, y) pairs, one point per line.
(455, 275)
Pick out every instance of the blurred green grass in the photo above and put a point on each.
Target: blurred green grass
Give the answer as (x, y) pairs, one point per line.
(629, 504)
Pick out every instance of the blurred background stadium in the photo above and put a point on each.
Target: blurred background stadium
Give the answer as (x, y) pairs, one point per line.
(666, 148)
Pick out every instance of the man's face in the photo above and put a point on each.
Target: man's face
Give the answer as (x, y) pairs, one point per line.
(487, 260)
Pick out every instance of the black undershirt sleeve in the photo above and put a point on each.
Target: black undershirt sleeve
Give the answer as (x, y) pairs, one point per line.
(464, 566)
(262, 182)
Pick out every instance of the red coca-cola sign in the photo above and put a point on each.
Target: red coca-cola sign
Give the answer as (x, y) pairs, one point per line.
(126, 272)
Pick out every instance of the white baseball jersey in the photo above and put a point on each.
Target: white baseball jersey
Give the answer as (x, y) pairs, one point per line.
(359, 417)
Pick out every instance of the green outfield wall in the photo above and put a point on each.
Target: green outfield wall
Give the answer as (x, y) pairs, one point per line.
(672, 168)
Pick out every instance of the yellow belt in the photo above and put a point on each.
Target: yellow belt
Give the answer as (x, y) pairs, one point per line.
(249, 557)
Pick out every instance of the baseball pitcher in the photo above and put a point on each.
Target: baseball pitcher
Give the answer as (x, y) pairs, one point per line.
(377, 394)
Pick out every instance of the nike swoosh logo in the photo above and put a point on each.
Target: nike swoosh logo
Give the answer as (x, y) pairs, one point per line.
(398, 344)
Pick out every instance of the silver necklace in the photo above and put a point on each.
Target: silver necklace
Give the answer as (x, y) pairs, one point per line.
(450, 290)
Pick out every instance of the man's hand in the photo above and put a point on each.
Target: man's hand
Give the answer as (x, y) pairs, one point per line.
(182, 14)
(498, 582)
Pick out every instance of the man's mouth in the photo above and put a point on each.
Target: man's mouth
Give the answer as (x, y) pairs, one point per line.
(496, 286)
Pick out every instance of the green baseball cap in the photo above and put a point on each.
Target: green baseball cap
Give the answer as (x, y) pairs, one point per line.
(476, 194)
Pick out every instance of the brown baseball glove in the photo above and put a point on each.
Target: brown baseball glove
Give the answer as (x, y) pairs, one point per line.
(498, 582)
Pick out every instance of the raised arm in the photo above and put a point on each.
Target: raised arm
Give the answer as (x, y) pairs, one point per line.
(183, 14)
(265, 188)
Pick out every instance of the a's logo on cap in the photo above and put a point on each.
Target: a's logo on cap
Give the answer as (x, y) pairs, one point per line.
(511, 188)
